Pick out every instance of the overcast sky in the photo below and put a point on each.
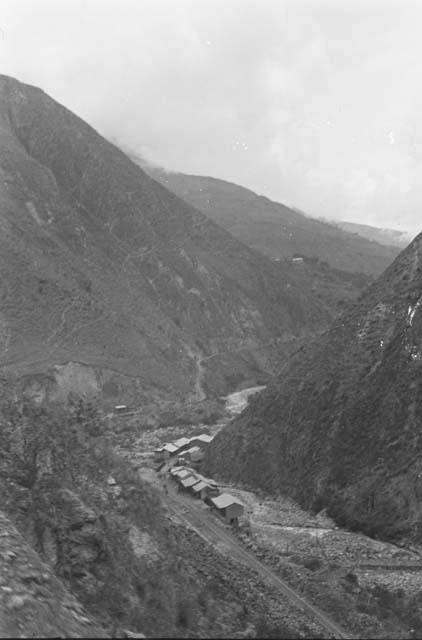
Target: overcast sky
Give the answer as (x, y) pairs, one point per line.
(315, 103)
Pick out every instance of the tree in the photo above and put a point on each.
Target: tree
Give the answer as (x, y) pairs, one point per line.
(48, 439)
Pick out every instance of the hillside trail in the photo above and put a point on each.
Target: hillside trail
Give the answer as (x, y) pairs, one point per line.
(199, 393)
(200, 359)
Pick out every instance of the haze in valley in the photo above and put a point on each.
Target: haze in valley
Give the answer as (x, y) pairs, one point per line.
(313, 103)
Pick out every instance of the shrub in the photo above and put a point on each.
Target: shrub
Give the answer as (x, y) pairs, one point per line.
(312, 563)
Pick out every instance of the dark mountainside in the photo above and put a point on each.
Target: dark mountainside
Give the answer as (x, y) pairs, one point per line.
(35, 603)
(341, 427)
(274, 229)
(113, 285)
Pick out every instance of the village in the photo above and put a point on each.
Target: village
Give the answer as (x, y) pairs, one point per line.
(344, 574)
(181, 460)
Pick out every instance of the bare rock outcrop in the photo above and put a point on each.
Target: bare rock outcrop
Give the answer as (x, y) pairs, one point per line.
(33, 602)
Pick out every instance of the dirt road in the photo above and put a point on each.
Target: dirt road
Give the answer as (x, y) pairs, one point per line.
(195, 515)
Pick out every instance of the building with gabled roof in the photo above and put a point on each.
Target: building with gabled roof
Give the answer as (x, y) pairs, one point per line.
(170, 448)
(203, 490)
(202, 441)
(229, 508)
(194, 454)
(164, 452)
(182, 473)
(175, 470)
(188, 482)
(120, 408)
(209, 481)
(181, 443)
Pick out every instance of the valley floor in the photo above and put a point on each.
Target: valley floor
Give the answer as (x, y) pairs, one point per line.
(197, 516)
(366, 585)
(343, 582)
(363, 587)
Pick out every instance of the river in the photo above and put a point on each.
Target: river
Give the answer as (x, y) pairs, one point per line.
(237, 401)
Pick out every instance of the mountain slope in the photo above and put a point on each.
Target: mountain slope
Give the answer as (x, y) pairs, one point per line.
(341, 428)
(333, 287)
(389, 237)
(274, 229)
(34, 603)
(117, 283)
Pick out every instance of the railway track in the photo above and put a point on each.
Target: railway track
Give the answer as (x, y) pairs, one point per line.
(215, 533)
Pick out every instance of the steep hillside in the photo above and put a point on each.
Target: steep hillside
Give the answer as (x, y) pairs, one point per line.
(108, 539)
(389, 237)
(33, 602)
(274, 229)
(112, 284)
(341, 428)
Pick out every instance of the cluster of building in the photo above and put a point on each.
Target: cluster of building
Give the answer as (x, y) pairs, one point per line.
(184, 449)
(192, 482)
(190, 451)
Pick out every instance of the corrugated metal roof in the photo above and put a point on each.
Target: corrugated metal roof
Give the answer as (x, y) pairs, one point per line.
(183, 473)
(189, 482)
(209, 481)
(193, 450)
(170, 448)
(175, 470)
(181, 442)
(200, 485)
(225, 500)
(203, 437)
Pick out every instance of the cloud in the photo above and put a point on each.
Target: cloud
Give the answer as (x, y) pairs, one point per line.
(299, 100)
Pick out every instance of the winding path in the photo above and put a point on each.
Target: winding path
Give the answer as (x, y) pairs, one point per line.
(200, 372)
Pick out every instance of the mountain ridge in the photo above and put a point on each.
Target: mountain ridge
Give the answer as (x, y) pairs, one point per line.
(272, 228)
(102, 265)
(340, 427)
(389, 237)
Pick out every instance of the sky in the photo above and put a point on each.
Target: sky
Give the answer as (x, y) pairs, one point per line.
(313, 103)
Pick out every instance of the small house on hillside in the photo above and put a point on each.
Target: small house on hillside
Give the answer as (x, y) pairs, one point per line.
(210, 481)
(181, 444)
(203, 490)
(201, 441)
(175, 470)
(165, 452)
(188, 482)
(120, 408)
(158, 455)
(228, 507)
(181, 473)
(194, 454)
